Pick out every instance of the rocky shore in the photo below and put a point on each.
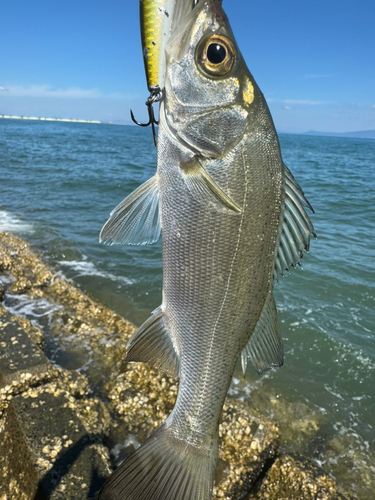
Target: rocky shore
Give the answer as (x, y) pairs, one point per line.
(62, 431)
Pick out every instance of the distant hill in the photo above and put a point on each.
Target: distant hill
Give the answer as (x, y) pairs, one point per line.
(363, 134)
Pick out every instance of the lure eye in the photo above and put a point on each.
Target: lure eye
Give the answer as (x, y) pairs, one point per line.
(215, 55)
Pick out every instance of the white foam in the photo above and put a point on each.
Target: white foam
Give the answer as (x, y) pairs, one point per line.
(5, 279)
(86, 268)
(131, 440)
(117, 450)
(331, 391)
(12, 224)
(22, 305)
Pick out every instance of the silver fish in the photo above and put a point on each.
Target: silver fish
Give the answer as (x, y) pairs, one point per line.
(232, 218)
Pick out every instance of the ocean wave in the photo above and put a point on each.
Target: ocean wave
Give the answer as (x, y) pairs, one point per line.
(86, 268)
(12, 224)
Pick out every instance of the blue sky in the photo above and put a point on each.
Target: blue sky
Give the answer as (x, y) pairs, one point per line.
(314, 61)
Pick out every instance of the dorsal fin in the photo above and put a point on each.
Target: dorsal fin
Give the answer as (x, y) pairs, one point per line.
(297, 227)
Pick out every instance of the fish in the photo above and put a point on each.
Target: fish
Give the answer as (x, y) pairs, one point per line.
(232, 218)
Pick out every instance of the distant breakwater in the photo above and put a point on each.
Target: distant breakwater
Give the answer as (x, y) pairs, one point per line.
(42, 118)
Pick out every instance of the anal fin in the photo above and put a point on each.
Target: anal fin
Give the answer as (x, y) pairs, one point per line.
(265, 347)
(153, 345)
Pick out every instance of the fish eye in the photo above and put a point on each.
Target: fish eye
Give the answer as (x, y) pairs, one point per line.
(215, 55)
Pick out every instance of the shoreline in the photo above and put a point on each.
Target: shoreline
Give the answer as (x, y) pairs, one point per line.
(45, 119)
(129, 405)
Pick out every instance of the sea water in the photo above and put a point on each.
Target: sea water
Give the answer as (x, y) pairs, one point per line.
(58, 184)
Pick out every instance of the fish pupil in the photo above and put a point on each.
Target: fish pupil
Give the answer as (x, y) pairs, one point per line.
(216, 53)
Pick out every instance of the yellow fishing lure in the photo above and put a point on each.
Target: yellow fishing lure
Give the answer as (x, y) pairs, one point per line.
(156, 18)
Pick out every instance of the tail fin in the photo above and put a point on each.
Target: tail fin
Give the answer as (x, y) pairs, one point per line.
(164, 468)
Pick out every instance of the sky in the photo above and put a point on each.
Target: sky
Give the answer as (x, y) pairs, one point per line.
(314, 61)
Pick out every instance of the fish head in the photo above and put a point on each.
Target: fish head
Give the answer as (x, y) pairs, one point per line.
(207, 82)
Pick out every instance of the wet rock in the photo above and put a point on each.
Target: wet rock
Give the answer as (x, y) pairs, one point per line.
(2, 292)
(86, 330)
(5, 258)
(296, 478)
(21, 360)
(34, 332)
(75, 383)
(63, 458)
(345, 459)
(143, 398)
(247, 442)
(299, 422)
(17, 258)
(16, 464)
(94, 415)
(50, 432)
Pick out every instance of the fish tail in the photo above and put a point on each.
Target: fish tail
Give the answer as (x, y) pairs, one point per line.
(164, 468)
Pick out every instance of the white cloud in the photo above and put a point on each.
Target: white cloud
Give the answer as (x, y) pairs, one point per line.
(60, 93)
(307, 77)
(297, 102)
(303, 102)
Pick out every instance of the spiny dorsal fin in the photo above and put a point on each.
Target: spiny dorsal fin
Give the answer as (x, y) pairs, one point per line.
(153, 345)
(265, 347)
(136, 220)
(297, 227)
(204, 189)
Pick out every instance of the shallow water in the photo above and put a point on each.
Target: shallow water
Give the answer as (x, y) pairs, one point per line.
(58, 183)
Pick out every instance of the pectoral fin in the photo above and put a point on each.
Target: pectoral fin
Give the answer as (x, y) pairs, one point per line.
(204, 189)
(153, 345)
(136, 220)
(265, 347)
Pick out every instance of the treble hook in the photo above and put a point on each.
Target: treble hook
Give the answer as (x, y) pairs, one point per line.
(155, 96)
